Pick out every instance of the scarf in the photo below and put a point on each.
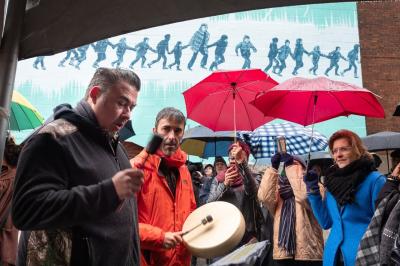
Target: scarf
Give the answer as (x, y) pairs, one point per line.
(176, 160)
(169, 167)
(286, 236)
(368, 253)
(343, 182)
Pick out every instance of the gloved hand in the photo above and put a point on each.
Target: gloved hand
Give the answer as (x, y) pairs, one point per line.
(276, 160)
(287, 159)
(311, 181)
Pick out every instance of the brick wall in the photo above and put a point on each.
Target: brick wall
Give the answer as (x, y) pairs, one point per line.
(379, 27)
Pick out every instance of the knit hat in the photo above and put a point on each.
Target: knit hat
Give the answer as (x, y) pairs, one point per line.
(300, 160)
(219, 159)
(244, 147)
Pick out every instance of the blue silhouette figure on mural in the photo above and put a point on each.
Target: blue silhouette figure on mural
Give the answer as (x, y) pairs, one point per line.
(121, 49)
(162, 49)
(315, 56)
(335, 57)
(245, 46)
(298, 55)
(352, 56)
(283, 52)
(39, 60)
(198, 43)
(68, 56)
(100, 48)
(177, 51)
(220, 48)
(272, 53)
(82, 50)
(141, 51)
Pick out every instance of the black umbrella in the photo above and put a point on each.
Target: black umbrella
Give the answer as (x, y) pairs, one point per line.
(383, 141)
(397, 111)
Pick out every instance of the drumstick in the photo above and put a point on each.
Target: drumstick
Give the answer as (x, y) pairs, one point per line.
(204, 221)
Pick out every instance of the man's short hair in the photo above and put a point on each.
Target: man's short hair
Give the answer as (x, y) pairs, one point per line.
(170, 113)
(106, 78)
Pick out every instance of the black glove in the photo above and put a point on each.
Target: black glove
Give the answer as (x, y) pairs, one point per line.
(276, 160)
(287, 159)
(311, 181)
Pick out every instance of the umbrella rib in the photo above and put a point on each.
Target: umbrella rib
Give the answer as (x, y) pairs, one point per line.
(26, 114)
(204, 98)
(240, 76)
(245, 84)
(223, 103)
(16, 105)
(277, 102)
(308, 108)
(337, 100)
(365, 99)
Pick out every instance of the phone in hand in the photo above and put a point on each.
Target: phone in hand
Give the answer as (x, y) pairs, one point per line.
(281, 144)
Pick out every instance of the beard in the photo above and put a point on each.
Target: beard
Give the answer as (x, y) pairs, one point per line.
(169, 147)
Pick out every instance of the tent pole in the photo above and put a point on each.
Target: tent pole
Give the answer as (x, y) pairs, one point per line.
(9, 50)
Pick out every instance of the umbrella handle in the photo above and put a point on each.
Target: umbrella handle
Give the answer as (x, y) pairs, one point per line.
(234, 113)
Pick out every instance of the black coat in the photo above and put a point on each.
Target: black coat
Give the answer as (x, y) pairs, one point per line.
(63, 182)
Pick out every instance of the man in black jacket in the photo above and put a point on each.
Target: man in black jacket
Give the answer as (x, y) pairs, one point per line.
(74, 187)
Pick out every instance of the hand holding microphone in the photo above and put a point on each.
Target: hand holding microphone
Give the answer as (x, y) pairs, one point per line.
(151, 148)
(129, 181)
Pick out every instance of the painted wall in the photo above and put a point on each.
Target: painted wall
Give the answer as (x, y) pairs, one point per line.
(325, 25)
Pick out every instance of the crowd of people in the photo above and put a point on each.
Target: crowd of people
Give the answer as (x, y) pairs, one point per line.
(200, 43)
(78, 199)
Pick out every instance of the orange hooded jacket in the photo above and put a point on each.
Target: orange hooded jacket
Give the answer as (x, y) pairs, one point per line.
(159, 211)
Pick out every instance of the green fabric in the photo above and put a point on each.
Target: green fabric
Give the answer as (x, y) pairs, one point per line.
(23, 117)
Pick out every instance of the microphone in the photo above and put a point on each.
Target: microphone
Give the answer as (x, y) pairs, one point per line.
(152, 146)
(204, 221)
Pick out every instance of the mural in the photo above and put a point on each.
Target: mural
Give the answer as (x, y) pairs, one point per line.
(307, 41)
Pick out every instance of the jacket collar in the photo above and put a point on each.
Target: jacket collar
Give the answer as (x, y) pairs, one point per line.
(144, 160)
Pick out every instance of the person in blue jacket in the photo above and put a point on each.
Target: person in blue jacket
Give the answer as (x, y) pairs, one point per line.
(352, 187)
(177, 51)
(315, 56)
(162, 50)
(273, 52)
(245, 48)
(220, 48)
(352, 56)
(299, 50)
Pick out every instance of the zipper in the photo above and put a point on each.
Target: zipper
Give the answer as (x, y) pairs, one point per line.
(89, 249)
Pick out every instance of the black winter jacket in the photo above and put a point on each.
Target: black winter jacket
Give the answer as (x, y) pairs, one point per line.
(63, 182)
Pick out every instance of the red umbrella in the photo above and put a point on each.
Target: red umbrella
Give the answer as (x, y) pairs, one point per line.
(308, 101)
(221, 101)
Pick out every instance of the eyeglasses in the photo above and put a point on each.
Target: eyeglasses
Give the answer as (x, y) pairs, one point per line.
(341, 149)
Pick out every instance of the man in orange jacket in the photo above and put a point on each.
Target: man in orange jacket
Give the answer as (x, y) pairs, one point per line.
(166, 198)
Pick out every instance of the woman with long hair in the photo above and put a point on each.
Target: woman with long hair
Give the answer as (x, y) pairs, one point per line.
(352, 186)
